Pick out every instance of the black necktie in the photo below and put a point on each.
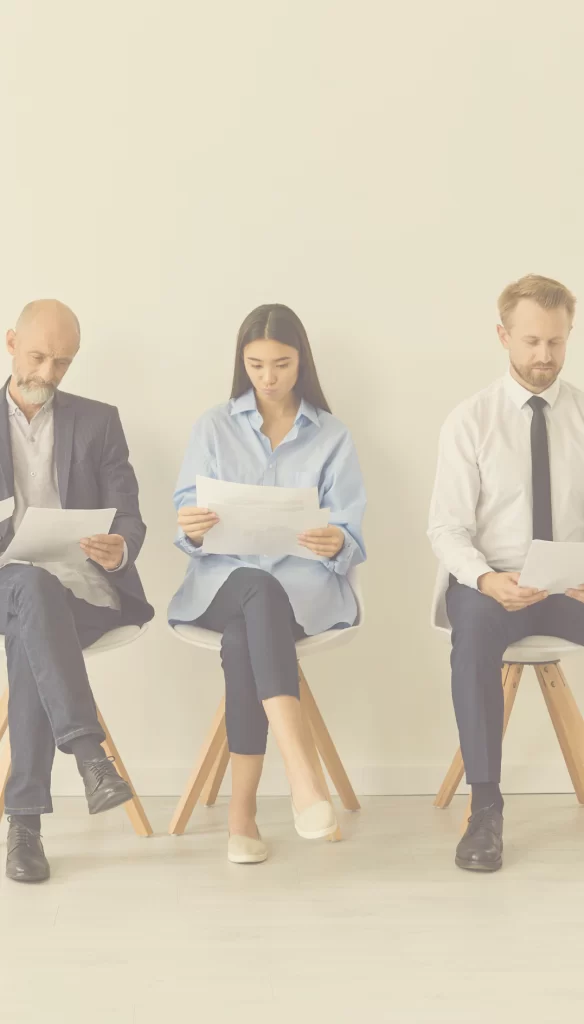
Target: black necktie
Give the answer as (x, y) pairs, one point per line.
(540, 472)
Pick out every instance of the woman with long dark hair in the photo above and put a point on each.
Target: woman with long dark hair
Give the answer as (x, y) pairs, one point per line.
(277, 429)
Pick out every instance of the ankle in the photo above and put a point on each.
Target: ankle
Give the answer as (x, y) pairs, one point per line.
(306, 793)
(31, 821)
(486, 794)
(86, 748)
(242, 822)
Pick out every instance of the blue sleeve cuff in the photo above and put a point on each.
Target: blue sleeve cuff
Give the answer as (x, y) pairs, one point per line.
(343, 561)
(184, 544)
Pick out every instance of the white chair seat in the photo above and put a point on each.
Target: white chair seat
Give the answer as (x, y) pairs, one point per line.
(532, 650)
(538, 650)
(211, 641)
(115, 638)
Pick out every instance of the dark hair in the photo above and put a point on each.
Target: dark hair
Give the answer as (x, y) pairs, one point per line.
(279, 323)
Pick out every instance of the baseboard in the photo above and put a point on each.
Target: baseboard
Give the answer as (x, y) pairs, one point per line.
(166, 778)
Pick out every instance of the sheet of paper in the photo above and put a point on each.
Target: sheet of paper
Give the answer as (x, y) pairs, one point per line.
(211, 491)
(6, 508)
(555, 566)
(252, 530)
(53, 534)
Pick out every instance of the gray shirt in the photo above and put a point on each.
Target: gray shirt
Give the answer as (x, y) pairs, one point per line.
(35, 483)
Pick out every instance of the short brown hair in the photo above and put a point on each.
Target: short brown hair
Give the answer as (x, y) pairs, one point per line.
(548, 294)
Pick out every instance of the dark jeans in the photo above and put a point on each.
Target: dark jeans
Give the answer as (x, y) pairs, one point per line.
(258, 652)
(481, 631)
(50, 700)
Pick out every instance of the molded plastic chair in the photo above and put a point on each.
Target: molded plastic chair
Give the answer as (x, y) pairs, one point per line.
(108, 642)
(544, 653)
(211, 765)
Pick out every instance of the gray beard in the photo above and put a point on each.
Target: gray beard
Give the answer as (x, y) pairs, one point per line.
(35, 394)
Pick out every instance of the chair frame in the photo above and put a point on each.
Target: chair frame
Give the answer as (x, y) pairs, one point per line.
(212, 762)
(211, 765)
(566, 719)
(133, 808)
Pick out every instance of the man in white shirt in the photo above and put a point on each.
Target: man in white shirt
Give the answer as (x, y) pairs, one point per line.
(59, 451)
(510, 469)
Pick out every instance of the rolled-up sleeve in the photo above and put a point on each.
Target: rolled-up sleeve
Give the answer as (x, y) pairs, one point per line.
(343, 491)
(198, 461)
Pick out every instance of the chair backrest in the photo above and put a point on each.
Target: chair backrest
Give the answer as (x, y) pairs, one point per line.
(438, 614)
(353, 578)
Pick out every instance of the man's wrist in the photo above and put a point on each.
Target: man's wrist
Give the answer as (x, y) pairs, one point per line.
(484, 580)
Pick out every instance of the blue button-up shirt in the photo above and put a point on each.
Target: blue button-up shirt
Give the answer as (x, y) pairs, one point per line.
(227, 444)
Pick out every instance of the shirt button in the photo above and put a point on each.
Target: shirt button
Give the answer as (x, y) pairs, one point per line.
(33, 473)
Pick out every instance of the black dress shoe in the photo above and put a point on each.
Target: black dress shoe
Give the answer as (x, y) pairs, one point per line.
(481, 847)
(104, 788)
(26, 861)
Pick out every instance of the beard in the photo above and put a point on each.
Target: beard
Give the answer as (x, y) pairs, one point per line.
(34, 391)
(537, 378)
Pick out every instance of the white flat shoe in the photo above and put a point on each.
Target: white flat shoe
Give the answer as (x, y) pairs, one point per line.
(243, 850)
(316, 822)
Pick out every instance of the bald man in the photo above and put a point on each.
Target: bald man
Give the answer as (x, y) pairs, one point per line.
(60, 451)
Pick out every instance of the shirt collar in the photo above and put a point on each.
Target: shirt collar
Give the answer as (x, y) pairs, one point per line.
(247, 403)
(13, 408)
(520, 395)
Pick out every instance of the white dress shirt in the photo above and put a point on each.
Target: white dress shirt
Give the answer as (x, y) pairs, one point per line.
(35, 483)
(481, 510)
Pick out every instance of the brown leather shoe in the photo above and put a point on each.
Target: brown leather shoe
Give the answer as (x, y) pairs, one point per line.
(481, 847)
(26, 861)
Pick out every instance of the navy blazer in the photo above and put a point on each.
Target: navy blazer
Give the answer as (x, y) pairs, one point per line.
(93, 471)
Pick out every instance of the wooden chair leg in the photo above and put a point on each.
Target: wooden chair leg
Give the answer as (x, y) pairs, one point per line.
(213, 783)
(3, 713)
(4, 770)
(567, 721)
(315, 760)
(134, 809)
(208, 758)
(5, 752)
(451, 782)
(326, 747)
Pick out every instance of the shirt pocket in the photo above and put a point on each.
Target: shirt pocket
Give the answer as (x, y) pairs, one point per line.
(307, 478)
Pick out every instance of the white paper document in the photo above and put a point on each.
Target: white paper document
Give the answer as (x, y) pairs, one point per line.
(210, 492)
(555, 566)
(257, 520)
(253, 530)
(6, 508)
(53, 534)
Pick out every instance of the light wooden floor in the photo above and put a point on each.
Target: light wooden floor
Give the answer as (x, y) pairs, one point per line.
(381, 927)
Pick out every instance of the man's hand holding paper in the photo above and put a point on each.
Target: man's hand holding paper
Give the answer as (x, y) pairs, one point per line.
(555, 566)
(107, 549)
(48, 535)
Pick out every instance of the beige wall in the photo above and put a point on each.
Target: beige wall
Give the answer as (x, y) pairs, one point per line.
(385, 169)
